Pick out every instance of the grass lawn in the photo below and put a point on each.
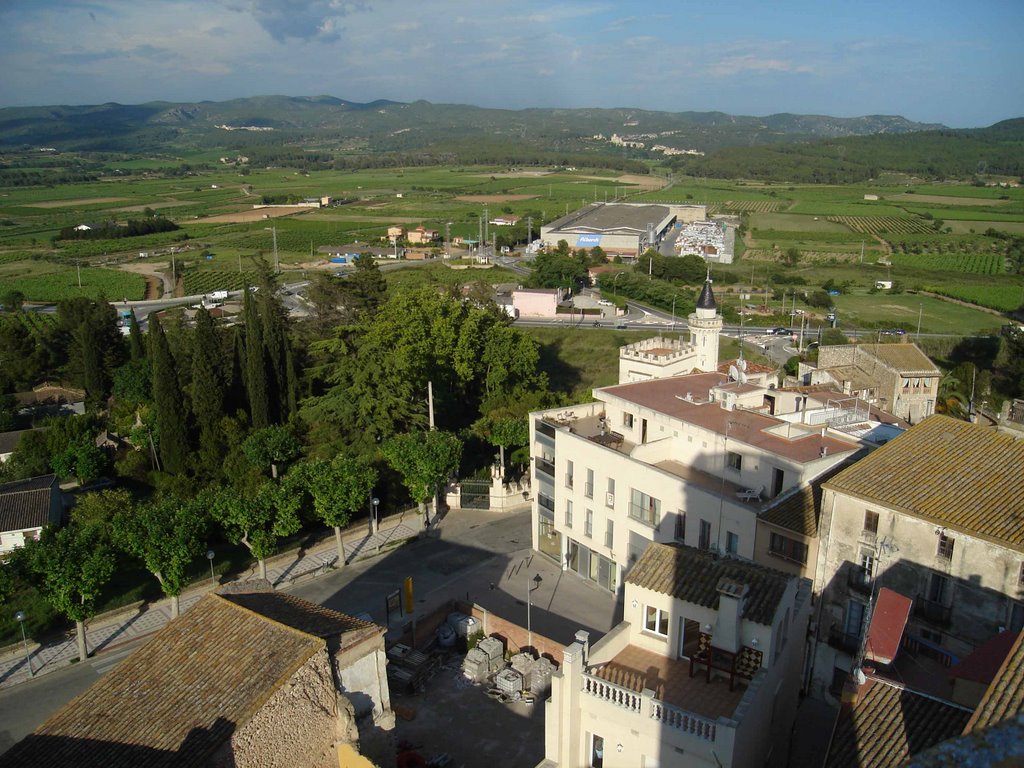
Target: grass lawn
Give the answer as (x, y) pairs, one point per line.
(795, 222)
(937, 316)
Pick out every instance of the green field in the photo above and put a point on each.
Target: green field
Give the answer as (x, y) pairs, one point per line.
(63, 283)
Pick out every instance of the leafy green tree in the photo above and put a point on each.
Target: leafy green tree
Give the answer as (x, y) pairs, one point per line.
(166, 534)
(792, 256)
(504, 431)
(558, 270)
(133, 383)
(364, 291)
(833, 337)
(168, 402)
(270, 447)
(100, 507)
(424, 461)
(338, 488)
(71, 565)
(12, 300)
(81, 459)
(256, 521)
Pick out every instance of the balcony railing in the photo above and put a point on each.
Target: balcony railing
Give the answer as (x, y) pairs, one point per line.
(669, 716)
(546, 502)
(544, 428)
(644, 513)
(544, 466)
(844, 641)
(933, 612)
(859, 579)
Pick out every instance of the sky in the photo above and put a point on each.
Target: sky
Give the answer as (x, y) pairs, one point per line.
(956, 63)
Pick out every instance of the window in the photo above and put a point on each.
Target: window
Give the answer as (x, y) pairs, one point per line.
(656, 620)
(545, 502)
(867, 563)
(644, 508)
(588, 524)
(609, 533)
(568, 474)
(945, 550)
(681, 527)
(588, 489)
(938, 587)
(609, 498)
(786, 548)
(778, 481)
(732, 542)
(733, 461)
(705, 535)
(854, 618)
(568, 513)
(627, 420)
(1016, 617)
(871, 522)
(596, 751)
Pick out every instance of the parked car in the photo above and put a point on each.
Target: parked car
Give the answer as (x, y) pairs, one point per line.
(780, 332)
(892, 332)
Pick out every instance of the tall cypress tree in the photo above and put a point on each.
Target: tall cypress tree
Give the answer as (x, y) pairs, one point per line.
(208, 389)
(94, 373)
(171, 419)
(136, 349)
(256, 383)
(236, 397)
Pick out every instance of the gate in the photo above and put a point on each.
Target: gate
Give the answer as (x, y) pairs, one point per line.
(475, 493)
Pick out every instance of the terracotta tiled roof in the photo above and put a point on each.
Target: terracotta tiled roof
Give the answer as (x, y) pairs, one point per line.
(692, 575)
(1005, 696)
(25, 504)
(181, 695)
(751, 367)
(301, 614)
(985, 661)
(950, 472)
(799, 509)
(888, 724)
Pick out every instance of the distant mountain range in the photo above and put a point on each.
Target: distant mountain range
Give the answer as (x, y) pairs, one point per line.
(392, 126)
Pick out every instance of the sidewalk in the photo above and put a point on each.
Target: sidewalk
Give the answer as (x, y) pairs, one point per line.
(106, 633)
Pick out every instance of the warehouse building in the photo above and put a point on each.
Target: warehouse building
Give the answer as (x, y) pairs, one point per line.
(620, 229)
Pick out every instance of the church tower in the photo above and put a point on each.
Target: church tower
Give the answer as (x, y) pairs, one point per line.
(705, 328)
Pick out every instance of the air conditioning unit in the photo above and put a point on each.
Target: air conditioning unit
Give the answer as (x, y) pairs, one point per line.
(609, 499)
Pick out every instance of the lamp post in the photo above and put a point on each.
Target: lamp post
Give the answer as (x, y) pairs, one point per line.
(674, 312)
(615, 280)
(529, 596)
(19, 616)
(209, 556)
(376, 520)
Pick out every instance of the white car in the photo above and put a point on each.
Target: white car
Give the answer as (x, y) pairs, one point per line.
(605, 303)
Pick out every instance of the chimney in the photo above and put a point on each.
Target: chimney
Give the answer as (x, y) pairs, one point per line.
(824, 451)
(583, 638)
(730, 611)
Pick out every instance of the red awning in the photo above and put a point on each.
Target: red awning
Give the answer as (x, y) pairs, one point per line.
(887, 622)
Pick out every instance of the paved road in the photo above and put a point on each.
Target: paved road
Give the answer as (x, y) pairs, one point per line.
(483, 554)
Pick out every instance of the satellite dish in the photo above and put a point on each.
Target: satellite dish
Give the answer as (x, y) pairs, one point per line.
(734, 374)
(741, 364)
(741, 377)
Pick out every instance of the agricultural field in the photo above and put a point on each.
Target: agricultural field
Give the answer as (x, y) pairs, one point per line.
(976, 263)
(1005, 298)
(862, 309)
(60, 283)
(197, 281)
(795, 222)
(884, 225)
(746, 206)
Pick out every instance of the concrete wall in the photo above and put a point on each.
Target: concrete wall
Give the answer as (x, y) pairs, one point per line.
(983, 576)
(362, 674)
(298, 725)
(536, 303)
(764, 556)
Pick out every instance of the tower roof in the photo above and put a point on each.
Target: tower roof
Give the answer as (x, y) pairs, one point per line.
(706, 300)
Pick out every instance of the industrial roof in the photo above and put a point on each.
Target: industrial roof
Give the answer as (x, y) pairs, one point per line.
(906, 358)
(178, 697)
(693, 575)
(610, 217)
(25, 504)
(887, 724)
(949, 472)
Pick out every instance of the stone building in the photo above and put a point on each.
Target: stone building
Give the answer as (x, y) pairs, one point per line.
(936, 515)
(703, 670)
(254, 678)
(898, 378)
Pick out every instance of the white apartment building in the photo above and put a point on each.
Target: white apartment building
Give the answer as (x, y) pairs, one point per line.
(703, 670)
(688, 459)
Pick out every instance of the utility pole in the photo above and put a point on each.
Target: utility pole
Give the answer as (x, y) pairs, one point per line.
(920, 311)
(447, 239)
(78, 266)
(277, 262)
(529, 230)
(487, 224)
(480, 232)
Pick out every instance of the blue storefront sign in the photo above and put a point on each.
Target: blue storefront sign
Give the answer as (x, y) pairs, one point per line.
(588, 241)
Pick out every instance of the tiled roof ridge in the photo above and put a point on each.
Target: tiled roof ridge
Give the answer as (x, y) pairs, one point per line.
(903, 687)
(982, 714)
(268, 691)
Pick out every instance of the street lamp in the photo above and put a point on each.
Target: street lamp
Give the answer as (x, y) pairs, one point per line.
(19, 616)
(674, 312)
(376, 520)
(615, 279)
(209, 556)
(529, 595)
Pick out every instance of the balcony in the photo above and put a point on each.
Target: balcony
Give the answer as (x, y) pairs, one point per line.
(645, 513)
(933, 612)
(687, 706)
(859, 580)
(545, 428)
(543, 466)
(847, 642)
